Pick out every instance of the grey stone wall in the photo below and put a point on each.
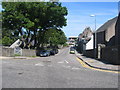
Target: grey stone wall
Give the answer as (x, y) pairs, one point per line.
(111, 54)
(27, 52)
(7, 51)
(89, 53)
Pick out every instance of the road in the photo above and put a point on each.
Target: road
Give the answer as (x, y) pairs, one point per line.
(59, 71)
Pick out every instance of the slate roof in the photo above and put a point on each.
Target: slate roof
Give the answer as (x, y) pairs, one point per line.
(107, 24)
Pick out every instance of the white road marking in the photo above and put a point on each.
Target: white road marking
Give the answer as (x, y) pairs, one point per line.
(39, 64)
(75, 68)
(66, 61)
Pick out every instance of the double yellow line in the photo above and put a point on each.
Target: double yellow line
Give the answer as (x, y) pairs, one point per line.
(87, 66)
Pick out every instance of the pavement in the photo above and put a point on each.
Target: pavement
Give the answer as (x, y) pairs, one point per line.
(97, 63)
(17, 57)
(59, 71)
(88, 61)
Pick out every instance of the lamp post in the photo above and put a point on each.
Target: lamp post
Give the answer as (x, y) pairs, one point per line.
(95, 47)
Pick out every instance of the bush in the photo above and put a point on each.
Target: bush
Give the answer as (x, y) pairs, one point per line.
(6, 41)
(65, 45)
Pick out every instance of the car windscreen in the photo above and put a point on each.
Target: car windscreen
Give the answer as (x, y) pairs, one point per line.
(72, 49)
(44, 51)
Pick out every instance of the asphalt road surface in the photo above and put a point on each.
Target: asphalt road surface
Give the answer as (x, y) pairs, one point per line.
(59, 71)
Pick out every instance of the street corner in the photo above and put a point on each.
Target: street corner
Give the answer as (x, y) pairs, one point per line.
(87, 65)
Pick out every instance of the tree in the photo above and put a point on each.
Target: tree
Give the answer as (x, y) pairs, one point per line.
(55, 37)
(6, 41)
(33, 19)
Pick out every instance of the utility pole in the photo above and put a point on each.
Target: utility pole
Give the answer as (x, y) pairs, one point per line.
(95, 47)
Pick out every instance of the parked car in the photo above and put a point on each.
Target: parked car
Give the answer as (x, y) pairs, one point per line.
(72, 50)
(53, 51)
(45, 53)
(56, 50)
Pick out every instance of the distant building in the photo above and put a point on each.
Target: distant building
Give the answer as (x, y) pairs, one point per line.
(72, 40)
(83, 39)
(86, 34)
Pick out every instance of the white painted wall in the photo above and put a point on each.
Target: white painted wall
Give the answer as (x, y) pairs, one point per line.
(89, 45)
(16, 44)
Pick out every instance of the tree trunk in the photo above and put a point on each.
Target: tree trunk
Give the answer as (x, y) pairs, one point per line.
(20, 31)
(35, 38)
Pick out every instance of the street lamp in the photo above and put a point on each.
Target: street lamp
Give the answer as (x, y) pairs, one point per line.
(95, 36)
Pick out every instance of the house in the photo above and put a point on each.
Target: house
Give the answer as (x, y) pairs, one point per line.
(83, 39)
(89, 45)
(107, 41)
(117, 31)
(106, 33)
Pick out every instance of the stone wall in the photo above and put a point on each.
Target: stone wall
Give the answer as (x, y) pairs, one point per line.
(7, 51)
(27, 52)
(107, 54)
(89, 53)
(110, 54)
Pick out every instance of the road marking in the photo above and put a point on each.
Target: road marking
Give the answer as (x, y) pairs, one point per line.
(86, 66)
(39, 64)
(75, 68)
(66, 61)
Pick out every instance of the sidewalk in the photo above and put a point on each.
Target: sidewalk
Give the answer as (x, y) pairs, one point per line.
(98, 64)
(17, 57)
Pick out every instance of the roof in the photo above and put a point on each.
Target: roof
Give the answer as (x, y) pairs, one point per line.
(107, 24)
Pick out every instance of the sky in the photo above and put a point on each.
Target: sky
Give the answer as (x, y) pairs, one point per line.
(78, 17)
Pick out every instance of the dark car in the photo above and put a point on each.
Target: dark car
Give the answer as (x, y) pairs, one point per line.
(54, 51)
(45, 53)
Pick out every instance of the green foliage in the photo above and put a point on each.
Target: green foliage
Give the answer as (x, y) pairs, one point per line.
(55, 37)
(33, 19)
(6, 41)
(0, 41)
(17, 55)
(65, 45)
